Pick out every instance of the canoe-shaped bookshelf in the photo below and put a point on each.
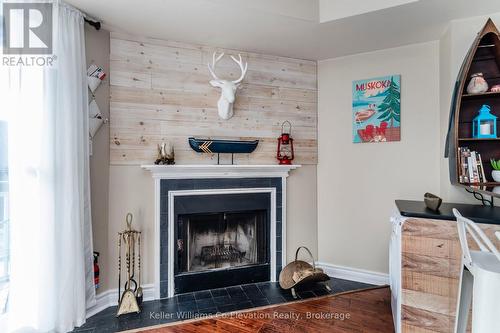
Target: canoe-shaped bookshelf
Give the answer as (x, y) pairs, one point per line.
(483, 57)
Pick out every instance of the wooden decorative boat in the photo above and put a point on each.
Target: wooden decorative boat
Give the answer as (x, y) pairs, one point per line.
(482, 57)
(222, 146)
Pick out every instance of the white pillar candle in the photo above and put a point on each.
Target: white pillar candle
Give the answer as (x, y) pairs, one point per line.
(485, 129)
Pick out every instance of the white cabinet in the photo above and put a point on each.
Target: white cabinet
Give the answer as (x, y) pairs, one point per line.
(395, 268)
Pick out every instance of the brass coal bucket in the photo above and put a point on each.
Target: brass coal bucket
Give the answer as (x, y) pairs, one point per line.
(300, 272)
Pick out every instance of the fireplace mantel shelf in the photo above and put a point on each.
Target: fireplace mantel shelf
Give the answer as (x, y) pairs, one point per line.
(192, 171)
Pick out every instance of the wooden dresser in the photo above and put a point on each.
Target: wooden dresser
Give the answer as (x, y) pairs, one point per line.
(425, 288)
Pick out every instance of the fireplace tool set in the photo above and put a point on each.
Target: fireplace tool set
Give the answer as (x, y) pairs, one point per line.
(131, 298)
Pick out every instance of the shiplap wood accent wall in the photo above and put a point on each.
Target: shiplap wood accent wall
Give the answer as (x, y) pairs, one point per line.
(160, 90)
(431, 259)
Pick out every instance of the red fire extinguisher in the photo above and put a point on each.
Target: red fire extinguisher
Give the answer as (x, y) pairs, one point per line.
(96, 270)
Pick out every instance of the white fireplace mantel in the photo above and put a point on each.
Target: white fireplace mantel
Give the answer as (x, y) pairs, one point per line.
(159, 172)
(192, 171)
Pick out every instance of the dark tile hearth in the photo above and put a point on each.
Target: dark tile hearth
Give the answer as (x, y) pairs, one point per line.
(209, 302)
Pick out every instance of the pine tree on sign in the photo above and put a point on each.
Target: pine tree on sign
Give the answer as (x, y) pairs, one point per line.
(391, 106)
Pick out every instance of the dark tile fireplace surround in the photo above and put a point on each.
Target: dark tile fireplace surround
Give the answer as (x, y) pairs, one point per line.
(234, 230)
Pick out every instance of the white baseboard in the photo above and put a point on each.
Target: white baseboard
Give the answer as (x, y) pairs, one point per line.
(110, 297)
(354, 274)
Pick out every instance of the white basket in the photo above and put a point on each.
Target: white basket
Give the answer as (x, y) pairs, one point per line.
(94, 125)
(93, 83)
(94, 111)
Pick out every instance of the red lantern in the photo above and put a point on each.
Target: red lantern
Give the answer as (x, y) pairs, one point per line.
(285, 145)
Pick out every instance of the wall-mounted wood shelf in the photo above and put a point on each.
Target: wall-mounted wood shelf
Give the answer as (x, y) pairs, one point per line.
(488, 94)
(483, 57)
(482, 184)
(479, 139)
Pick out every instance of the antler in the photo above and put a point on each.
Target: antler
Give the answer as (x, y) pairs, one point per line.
(243, 68)
(215, 59)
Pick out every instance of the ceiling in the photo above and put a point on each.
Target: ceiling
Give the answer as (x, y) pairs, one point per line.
(287, 27)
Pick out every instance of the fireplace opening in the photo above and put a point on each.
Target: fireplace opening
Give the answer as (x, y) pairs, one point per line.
(221, 241)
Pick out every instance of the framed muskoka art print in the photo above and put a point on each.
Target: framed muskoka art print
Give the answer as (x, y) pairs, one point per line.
(376, 109)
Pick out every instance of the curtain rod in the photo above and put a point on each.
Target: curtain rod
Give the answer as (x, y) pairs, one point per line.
(87, 18)
(95, 24)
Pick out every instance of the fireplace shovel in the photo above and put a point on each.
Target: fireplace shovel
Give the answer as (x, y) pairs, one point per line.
(300, 272)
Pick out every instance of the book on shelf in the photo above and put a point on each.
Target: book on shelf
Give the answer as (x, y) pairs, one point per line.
(482, 176)
(471, 168)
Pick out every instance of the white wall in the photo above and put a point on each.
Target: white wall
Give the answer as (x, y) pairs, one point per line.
(358, 183)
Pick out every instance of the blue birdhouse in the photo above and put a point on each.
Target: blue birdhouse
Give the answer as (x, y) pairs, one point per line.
(484, 125)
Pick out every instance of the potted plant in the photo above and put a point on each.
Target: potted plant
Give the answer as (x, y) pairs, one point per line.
(496, 170)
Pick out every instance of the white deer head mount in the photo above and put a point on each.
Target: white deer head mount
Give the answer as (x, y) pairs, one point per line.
(228, 88)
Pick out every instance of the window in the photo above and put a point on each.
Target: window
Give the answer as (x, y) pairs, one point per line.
(4, 218)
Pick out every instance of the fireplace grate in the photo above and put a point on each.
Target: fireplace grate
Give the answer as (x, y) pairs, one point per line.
(221, 249)
(220, 252)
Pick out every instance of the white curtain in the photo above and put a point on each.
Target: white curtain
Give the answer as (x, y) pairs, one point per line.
(51, 233)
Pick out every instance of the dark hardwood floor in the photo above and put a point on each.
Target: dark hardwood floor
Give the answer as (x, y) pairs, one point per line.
(210, 302)
(358, 311)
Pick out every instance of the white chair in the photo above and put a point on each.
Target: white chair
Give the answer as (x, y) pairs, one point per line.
(479, 281)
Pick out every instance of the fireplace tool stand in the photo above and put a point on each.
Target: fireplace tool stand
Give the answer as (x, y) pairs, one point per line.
(131, 298)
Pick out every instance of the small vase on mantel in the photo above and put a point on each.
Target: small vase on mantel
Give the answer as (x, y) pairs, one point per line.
(477, 84)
